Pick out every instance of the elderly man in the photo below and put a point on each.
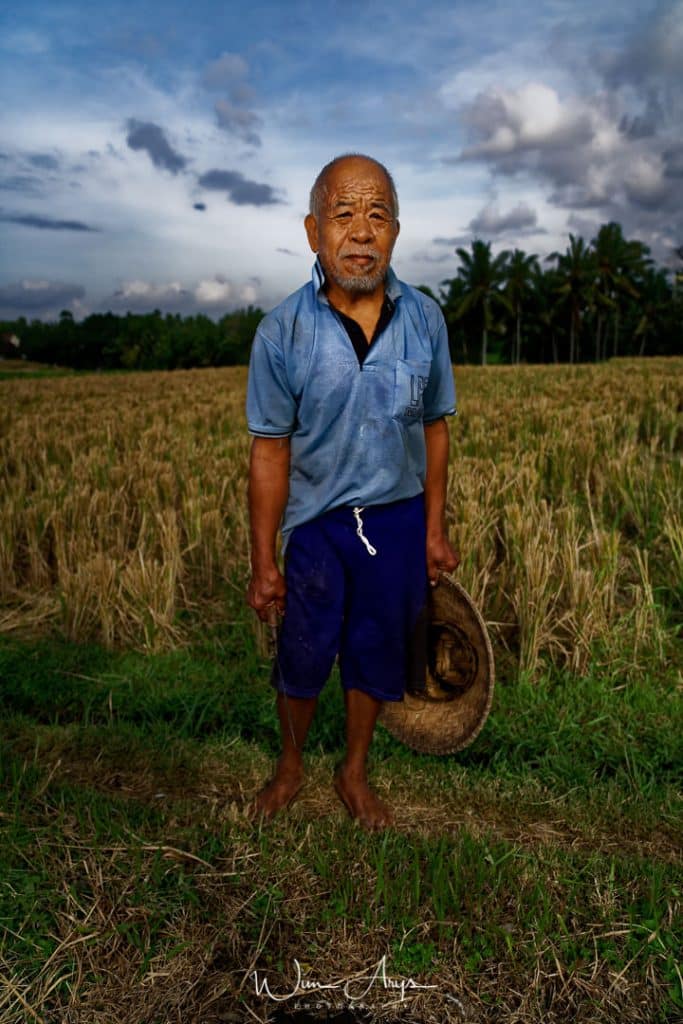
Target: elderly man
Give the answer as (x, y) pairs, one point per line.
(349, 384)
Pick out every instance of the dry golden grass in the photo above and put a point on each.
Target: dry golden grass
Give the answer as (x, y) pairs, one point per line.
(123, 511)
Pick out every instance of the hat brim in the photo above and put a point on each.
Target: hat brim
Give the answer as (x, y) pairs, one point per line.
(446, 726)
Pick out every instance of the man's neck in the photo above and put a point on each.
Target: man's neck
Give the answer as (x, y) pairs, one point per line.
(360, 306)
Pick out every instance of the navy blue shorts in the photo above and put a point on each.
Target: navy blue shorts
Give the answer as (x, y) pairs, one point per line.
(343, 600)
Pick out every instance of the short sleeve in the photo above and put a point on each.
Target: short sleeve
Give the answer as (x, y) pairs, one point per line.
(439, 395)
(271, 408)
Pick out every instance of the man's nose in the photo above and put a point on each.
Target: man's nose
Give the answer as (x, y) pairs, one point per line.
(361, 228)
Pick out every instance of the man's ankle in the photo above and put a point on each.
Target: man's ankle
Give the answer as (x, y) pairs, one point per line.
(353, 769)
(291, 763)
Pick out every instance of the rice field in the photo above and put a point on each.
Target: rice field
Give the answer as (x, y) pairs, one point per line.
(123, 515)
(534, 877)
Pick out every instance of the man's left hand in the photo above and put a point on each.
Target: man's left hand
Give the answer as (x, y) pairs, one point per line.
(440, 557)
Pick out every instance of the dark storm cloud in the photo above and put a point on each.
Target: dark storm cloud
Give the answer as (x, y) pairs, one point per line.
(673, 161)
(239, 120)
(27, 183)
(614, 151)
(38, 296)
(45, 161)
(31, 220)
(654, 52)
(151, 138)
(228, 74)
(239, 189)
(643, 125)
(577, 197)
(652, 195)
(583, 226)
(490, 221)
(199, 206)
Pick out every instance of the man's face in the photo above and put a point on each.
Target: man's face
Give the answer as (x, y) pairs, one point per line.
(356, 229)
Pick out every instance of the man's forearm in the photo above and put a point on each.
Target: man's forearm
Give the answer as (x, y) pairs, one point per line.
(436, 479)
(440, 555)
(268, 490)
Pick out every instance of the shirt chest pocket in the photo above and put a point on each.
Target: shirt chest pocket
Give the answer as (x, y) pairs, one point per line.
(410, 380)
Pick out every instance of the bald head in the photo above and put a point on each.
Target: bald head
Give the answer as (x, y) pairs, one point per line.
(320, 186)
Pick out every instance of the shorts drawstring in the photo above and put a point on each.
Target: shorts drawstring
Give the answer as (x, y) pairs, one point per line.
(359, 531)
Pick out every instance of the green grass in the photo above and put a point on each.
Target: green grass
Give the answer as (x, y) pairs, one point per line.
(16, 369)
(536, 872)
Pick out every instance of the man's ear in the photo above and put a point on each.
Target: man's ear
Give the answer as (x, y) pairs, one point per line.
(311, 225)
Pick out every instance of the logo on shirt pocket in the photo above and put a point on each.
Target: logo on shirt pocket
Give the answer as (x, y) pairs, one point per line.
(411, 379)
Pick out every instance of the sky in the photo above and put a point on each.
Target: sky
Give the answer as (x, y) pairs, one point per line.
(161, 155)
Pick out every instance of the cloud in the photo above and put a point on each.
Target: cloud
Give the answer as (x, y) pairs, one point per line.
(654, 52)
(150, 137)
(199, 206)
(490, 221)
(502, 123)
(614, 150)
(287, 252)
(234, 113)
(425, 256)
(240, 190)
(673, 161)
(583, 226)
(139, 295)
(27, 183)
(238, 120)
(45, 161)
(225, 72)
(38, 296)
(644, 181)
(30, 220)
(211, 295)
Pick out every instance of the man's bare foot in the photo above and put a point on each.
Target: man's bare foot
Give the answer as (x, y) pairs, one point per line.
(278, 793)
(360, 801)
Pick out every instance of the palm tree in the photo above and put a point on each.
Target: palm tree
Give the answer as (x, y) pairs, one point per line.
(451, 294)
(482, 276)
(546, 283)
(519, 273)
(678, 271)
(619, 266)
(576, 270)
(654, 305)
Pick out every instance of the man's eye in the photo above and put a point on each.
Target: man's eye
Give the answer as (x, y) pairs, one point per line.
(344, 216)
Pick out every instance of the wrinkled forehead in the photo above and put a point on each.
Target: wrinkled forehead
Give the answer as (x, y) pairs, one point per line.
(354, 181)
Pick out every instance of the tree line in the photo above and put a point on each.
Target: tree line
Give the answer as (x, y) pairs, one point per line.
(589, 303)
(149, 341)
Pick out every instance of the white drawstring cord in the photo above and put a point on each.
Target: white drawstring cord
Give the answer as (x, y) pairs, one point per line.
(359, 531)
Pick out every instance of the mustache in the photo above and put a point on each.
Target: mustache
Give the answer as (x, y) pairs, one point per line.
(368, 253)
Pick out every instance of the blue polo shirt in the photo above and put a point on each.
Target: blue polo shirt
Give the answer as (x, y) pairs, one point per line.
(356, 431)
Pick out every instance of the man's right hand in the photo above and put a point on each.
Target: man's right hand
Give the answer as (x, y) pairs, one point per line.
(266, 591)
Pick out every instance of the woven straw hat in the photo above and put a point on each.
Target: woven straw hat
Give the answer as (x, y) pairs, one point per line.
(451, 710)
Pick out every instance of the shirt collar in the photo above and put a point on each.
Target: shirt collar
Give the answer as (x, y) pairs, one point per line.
(392, 287)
